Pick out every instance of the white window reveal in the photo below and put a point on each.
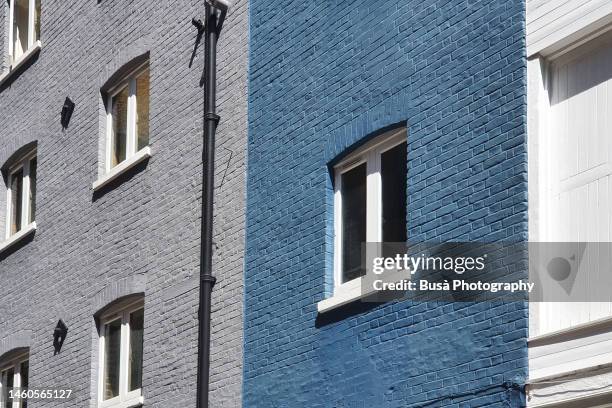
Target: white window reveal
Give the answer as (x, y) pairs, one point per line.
(25, 23)
(14, 380)
(128, 118)
(121, 346)
(21, 196)
(369, 206)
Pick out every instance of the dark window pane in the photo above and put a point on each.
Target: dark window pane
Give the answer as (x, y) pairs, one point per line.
(20, 28)
(33, 164)
(8, 376)
(112, 350)
(16, 200)
(37, 19)
(142, 109)
(119, 114)
(24, 373)
(393, 174)
(353, 221)
(135, 368)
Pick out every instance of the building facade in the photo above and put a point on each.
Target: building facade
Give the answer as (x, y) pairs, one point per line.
(332, 86)
(100, 217)
(390, 121)
(569, 49)
(460, 121)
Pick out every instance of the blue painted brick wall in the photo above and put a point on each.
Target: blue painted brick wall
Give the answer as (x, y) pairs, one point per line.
(323, 76)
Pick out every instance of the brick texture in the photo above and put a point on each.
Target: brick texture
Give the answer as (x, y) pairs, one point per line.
(141, 233)
(323, 76)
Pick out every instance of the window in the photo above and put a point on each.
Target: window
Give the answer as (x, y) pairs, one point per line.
(121, 345)
(21, 195)
(25, 23)
(369, 203)
(13, 378)
(128, 118)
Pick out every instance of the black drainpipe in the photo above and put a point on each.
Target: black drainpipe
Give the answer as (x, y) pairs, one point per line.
(207, 280)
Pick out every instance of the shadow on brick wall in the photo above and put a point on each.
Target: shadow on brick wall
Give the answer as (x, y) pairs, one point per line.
(19, 71)
(17, 246)
(124, 177)
(344, 312)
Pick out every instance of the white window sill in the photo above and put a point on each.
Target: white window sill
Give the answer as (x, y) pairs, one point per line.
(357, 289)
(128, 403)
(22, 60)
(345, 296)
(122, 167)
(13, 239)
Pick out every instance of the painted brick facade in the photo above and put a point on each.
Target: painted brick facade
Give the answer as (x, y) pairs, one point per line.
(323, 76)
(142, 233)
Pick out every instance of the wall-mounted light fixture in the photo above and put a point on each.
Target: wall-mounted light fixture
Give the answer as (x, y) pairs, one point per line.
(67, 110)
(59, 335)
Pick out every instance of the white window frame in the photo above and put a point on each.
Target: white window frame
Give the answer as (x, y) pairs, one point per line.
(126, 398)
(25, 165)
(32, 42)
(131, 143)
(371, 155)
(15, 364)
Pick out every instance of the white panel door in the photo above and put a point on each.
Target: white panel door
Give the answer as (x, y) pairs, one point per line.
(576, 153)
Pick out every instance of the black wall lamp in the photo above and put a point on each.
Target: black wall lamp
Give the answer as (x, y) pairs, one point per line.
(59, 335)
(67, 110)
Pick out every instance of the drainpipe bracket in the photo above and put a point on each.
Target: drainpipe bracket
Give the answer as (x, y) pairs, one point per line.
(197, 23)
(212, 116)
(209, 279)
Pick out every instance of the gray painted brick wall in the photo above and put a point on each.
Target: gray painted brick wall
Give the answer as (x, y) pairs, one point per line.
(142, 234)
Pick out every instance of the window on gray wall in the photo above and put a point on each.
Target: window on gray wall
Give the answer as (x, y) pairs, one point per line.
(121, 355)
(21, 194)
(14, 373)
(25, 27)
(369, 203)
(128, 117)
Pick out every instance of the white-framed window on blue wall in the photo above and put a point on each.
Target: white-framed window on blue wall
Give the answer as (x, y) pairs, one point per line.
(369, 206)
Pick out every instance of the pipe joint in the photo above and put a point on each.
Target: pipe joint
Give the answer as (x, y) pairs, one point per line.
(212, 116)
(209, 279)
